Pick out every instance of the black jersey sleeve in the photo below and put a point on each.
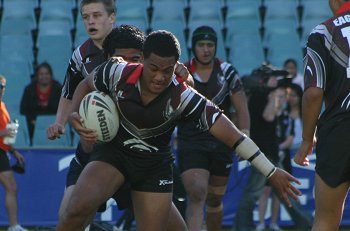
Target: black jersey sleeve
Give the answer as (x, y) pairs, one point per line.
(199, 109)
(232, 77)
(317, 57)
(106, 75)
(73, 75)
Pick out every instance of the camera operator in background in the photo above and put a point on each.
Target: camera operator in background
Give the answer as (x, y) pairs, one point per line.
(261, 86)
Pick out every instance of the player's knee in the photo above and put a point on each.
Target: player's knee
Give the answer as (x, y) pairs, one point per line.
(214, 200)
(78, 208)
(197, 194)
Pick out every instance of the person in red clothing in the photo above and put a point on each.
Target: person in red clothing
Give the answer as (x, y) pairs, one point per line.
(7, 178)
(40, 97)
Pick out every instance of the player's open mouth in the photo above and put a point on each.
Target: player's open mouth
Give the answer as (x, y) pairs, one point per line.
(92, 31)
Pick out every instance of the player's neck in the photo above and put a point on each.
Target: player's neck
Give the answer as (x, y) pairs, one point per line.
(98, 43)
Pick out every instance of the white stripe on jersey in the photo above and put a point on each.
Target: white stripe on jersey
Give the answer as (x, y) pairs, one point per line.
(319, 67)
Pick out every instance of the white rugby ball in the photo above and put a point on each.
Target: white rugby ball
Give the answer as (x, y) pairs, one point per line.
(100, 113)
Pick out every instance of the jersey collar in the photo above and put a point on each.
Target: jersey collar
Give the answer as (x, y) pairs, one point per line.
(343, 8)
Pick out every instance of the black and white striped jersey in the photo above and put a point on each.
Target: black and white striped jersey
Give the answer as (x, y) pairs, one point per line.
(327, 66)
(148, 128)
(223, 82)
(85, 58)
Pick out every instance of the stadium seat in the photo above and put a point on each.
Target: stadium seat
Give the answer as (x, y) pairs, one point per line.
(242, 17)
(246, 52)
(73, 3)
(16, 26)
(12, 12)
(209, 11)
(221, 2)
(314, 12)
(40, 140)
(276, 9)
(133, 12)
(284, 46)
(183, 2)
(57, 10)
(16, 48)
(281, 17)
(161, 11)
(56, 50)
(54, 27)
(31, 4)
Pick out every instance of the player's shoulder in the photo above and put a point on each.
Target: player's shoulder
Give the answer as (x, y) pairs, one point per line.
(227, 68)
(82, 49)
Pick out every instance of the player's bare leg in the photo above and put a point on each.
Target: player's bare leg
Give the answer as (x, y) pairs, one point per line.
(97, 183)
(216, 191)
(152, 210)
(329, 203)
(196, 185)
(176, 222)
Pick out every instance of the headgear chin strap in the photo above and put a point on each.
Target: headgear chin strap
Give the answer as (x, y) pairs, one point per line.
(203, 33)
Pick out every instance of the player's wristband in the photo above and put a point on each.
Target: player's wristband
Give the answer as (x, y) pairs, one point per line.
(248, 150)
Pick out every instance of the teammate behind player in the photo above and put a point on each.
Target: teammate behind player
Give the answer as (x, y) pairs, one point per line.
(205, 162)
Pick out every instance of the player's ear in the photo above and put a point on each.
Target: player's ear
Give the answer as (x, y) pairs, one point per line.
(112, 18)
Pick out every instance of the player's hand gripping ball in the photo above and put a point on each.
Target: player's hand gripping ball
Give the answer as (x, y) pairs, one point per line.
(99, 113)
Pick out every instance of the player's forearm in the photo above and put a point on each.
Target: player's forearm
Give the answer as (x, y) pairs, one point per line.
(226, 132)
(63, 110)
(311, 108)
(243, 117)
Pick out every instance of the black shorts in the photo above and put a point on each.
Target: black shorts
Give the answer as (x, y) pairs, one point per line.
(77, 165)
(4, 162)
(213, 156)
(74, 171)
(147, 172)
(333, 153)
(122, 196)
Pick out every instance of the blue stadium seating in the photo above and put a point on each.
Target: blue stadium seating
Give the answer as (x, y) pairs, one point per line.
(40, 140)
(57, 10)
(246, 52)
(133, 12)
(23, 15)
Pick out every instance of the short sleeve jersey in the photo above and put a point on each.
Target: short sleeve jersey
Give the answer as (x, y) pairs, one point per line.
(148, 128)
(223, 82)
(327, 65)
(85, 58)
(4, 120)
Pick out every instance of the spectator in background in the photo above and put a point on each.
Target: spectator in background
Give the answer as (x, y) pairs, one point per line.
(284, 141)
(205, 162)
(263, 131)
(7, 178)
(40, 97)
(294, 97)
(291, 66)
